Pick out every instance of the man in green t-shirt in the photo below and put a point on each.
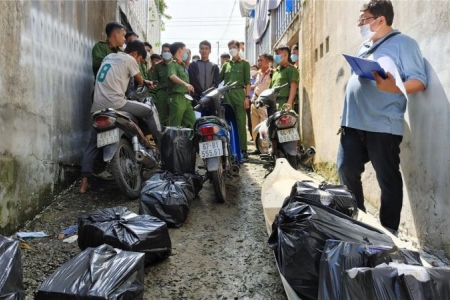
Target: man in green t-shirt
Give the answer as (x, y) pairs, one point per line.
(181, 112)
(159, 74)
(239, 98)
(285, 73)
(115, 33)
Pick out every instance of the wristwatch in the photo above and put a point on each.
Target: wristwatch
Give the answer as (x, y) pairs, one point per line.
(247, 97)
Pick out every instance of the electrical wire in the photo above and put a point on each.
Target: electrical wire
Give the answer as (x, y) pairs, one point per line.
(231, 15)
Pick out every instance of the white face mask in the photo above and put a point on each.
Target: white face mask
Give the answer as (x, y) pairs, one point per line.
(253, 73)
(233, 52)
(241, 54)
(366, 33)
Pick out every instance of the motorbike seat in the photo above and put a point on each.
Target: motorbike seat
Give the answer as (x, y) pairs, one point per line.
(213, 119)
(128, 115)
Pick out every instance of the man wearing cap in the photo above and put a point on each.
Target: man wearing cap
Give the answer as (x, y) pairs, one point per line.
(160, 75)
(285, 73)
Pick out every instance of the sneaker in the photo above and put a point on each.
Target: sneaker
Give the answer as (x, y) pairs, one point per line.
(244, 154)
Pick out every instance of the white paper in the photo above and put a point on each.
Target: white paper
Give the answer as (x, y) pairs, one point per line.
(129, 216)
(389, 66)
(71, 239)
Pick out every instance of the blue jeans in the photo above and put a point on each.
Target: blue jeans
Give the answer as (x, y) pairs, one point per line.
(358, 147)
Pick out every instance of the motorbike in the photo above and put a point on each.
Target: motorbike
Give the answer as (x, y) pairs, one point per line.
(217, 140)
(279, 131)
(126, 147)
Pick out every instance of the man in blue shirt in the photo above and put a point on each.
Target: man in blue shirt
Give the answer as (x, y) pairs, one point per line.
(373, 115)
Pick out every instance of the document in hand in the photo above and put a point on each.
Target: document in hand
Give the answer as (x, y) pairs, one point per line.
(364, 67)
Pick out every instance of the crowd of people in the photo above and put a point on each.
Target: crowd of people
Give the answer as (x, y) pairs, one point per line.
(373, 113)
(172, 74)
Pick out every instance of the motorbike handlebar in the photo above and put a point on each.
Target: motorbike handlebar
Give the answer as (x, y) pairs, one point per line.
(198, 107)
(278, 88)
(259, 103)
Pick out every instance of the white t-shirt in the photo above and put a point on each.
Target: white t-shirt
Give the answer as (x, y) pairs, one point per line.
(112, 81)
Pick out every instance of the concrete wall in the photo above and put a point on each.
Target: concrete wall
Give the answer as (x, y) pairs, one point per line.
(45, 87)
(424, 152)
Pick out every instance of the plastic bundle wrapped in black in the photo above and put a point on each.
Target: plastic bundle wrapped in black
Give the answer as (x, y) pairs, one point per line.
(371, 284)
(177, 150)
(299, 234)
(396, 281)
(125, 230)
(337, 197)
(338, 256)
(11, 274)
(401, 256)
(197, 180)
(167, 197)
(97, 273)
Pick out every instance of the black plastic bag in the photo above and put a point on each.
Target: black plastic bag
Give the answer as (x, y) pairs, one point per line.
(420, 283)
(440, 282)
(11, 274)
(337, 197)
(401, 256)
(177, 150)
(299, 234)
(97, 273)
(371, 284)
(417, 290)
(338, 256)
(125, 230)
(167, 197)
(197, 180)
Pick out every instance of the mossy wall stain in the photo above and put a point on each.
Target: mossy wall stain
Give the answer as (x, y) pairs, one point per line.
(327, 170)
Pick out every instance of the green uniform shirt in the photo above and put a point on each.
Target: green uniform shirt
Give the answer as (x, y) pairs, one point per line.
(151, 77)
(160, 74)
(99, 52)
(143, 70)
(236, 71)
(179, 70)
(284, 75)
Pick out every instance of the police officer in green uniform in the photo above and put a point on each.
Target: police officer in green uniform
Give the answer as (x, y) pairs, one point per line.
(162, 93)
(115, 38)
(180, 108)
(285, 73)
(239, 98)
(155, 59)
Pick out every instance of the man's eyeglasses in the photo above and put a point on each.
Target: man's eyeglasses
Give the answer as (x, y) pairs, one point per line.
(363, 20)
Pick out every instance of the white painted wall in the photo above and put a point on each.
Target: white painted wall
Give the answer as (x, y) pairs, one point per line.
(425, 160)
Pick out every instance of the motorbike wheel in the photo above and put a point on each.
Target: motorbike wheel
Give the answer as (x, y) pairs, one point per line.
(260, 143)
(292, 159)
(126, 170)
(218, 180)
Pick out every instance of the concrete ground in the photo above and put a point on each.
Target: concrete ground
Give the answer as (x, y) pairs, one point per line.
(220, 252)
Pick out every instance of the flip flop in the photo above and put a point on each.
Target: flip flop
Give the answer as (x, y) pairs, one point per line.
(105, 175)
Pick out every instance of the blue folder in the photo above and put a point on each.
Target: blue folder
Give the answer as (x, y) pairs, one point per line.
(364, 67)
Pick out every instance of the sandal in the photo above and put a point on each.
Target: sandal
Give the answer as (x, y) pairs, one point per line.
(105, 175)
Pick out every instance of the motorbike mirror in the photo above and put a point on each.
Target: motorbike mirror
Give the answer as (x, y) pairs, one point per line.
(189, 97)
